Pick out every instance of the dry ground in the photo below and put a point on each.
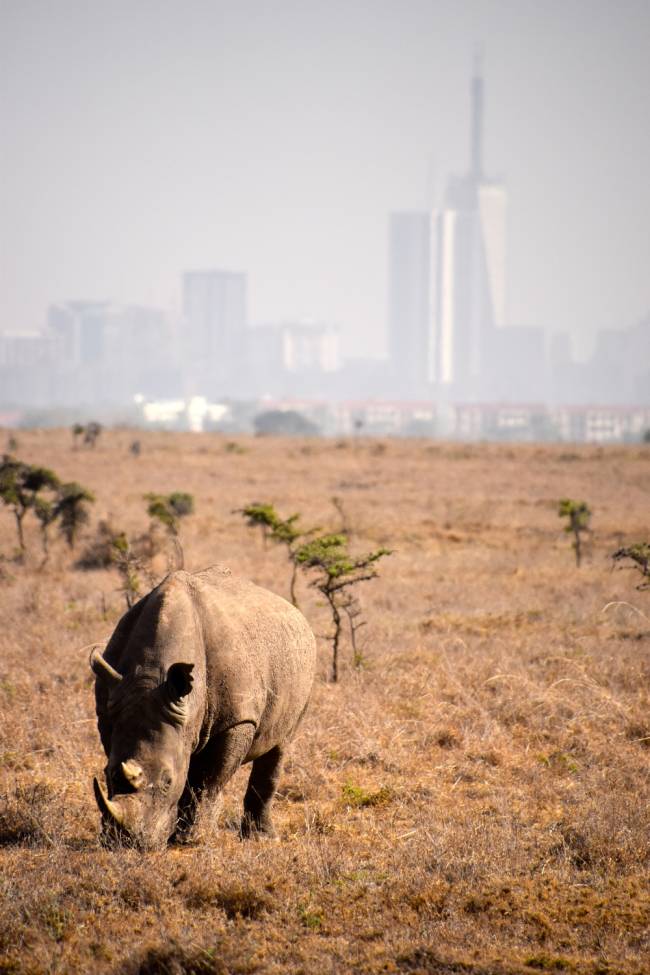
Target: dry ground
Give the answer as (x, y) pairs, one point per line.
(475, 800)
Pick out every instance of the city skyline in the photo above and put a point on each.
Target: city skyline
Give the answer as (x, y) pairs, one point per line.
(451, 347)
(215, 136)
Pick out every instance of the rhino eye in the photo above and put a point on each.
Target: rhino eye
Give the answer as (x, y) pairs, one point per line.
(165, 781)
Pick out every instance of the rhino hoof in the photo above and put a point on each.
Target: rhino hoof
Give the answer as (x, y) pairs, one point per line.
(252, 830)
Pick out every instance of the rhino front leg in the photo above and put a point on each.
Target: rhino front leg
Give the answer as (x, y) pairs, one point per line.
(262, 786)
(209, 771)
(188, 805)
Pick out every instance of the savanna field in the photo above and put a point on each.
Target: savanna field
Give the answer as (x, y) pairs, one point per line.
(474, 799)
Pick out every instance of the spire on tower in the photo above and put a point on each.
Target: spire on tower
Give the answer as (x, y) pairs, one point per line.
(476, 136)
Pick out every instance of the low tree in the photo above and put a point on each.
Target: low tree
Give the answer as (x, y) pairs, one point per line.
(578, 517)
(21, 486)
(168, 509)
(46, 513)
(77, 430)
(262, 516)
(72, 510)
(336, 573)
(91, 433)
(282, 531)
(639, 557)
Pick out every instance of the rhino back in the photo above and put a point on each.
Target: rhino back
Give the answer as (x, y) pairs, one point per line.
(260, 656)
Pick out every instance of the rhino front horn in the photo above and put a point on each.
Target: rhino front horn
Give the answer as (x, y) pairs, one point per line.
(101, 667)
(109, 810)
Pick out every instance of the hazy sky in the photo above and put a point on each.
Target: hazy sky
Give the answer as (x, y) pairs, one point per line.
(140, 138)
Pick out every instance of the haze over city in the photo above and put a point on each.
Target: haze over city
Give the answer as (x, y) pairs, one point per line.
(143, 141)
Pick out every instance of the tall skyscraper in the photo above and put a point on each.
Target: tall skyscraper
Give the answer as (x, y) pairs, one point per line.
(214, 309)
(448, 283)
(468, 294)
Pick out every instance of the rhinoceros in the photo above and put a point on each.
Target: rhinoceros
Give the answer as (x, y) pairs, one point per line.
(206, 672)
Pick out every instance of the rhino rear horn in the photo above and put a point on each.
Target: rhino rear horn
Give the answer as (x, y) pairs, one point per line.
(179, 680)
(133, 773)
(102, 668)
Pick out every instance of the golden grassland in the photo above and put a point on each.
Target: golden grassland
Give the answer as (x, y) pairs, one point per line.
(474, 800)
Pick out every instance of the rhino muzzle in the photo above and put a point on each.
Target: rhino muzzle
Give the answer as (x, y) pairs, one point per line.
(124, 822)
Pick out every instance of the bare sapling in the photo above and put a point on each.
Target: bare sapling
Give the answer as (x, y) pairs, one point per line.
(336, 573)
(129, 567)
(344, 528)
(578, 515)
(351, 606)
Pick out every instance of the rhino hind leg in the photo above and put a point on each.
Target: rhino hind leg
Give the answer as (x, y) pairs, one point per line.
(262, 786)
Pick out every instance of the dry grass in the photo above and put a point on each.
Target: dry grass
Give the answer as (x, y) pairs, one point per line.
(475, 800)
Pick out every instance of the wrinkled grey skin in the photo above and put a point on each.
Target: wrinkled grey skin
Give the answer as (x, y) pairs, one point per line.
(205, 673)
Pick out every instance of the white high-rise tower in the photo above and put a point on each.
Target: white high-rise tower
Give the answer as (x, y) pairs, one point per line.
(468, 272)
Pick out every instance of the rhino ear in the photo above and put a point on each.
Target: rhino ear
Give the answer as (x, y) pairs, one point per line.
(179, 680)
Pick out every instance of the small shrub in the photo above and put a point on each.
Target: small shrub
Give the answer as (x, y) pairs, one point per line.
(354, 795)
(55, 918)
(91, 433)
(99, 553)
(72, 510)
(311, 917)
(639, 555)
(578, 516)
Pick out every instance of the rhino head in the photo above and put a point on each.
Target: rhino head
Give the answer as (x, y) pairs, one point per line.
(148, 753)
